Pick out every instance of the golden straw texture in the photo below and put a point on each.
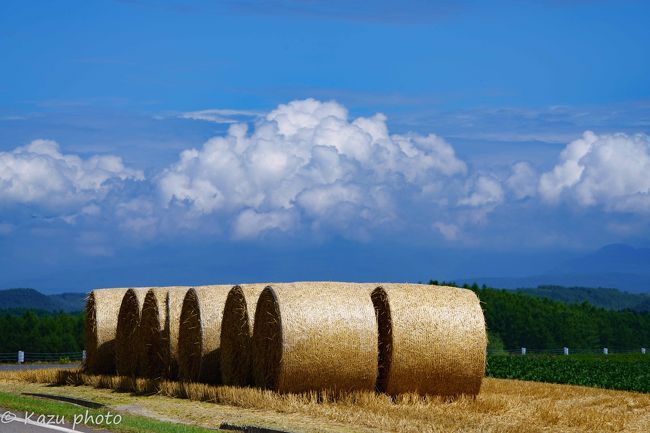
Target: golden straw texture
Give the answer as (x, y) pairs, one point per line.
(432, 340)
(150, 341)
(102, 308)
(315, 336)
(199, 339)
(173, 307)
(237, 333)
(126, 335)
(158, 332)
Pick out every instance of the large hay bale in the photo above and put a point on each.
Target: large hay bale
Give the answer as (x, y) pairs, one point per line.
(152, 357)
(173, 307)
(237, 334)
(126, 335)
(102, 308)
(315, 336)
(432, 340)
(158, 332)
(199, 339)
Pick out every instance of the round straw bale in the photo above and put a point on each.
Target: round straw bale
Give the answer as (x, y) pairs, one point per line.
(315, 336)
(173, 307)
(236, 334)
(158, 332)
(432, 339)
(126, 335)
(102, 308)
(150, 338)
(200, 331)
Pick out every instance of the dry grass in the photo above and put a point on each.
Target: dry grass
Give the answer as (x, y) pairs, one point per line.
(501, 406)
(314, 336)
(432, 340)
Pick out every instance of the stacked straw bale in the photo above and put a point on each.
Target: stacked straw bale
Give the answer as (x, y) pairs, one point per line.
(174, 305)
(102, 307)
(293, 337)
(432, 340)
(158, 332)
(199, 339)
(127, 332)
(237, 334)
(315, 336)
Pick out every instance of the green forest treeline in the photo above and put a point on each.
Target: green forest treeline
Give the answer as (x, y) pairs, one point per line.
(38, 331)
(513, 319)
(516, 320)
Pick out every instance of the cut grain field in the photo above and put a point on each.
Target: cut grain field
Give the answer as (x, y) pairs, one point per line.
(501, 406)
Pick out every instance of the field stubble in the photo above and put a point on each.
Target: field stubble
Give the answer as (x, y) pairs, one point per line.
(502, 405)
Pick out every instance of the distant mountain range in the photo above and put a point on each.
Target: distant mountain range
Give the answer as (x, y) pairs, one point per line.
(611, 299)
(616, 266)
(33, 299)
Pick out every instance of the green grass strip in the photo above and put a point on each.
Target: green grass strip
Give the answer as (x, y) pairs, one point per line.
(20, 404)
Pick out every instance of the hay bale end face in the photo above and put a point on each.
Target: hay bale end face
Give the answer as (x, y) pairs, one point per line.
(152, 358)
(173, 307)
(158, 332)
(432, 340)
(102, 309)
(315, 336)
(126, 335)
(237, 334)
(199, 338)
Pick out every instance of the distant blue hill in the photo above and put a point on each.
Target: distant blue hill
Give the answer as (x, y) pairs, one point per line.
(615, 258)
(611, 299)
(33, 299)
(616, 266)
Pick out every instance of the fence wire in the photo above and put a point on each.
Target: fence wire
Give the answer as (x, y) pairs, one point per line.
(51, 357)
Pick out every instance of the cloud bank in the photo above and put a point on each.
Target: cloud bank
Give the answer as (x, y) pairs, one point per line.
(309, 167)
(40, 174)
(610, 171)
(307, 161)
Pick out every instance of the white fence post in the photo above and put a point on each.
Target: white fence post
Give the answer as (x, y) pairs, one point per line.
(83, 356)
(21, 357)
(523, 350)
(566, 350)
(605, 351)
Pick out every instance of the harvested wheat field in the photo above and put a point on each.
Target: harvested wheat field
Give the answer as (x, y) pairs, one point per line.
(199, 338)
(314, 336)
(432, 339)
(102, 308)
(501, 406)
(237, 334)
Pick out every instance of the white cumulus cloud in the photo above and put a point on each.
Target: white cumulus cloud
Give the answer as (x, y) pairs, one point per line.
(523, 180)
(610, 170)
(41, 174)
(486, 191)
(307, 159)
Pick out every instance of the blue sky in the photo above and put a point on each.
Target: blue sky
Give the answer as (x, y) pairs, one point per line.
(150, 142)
